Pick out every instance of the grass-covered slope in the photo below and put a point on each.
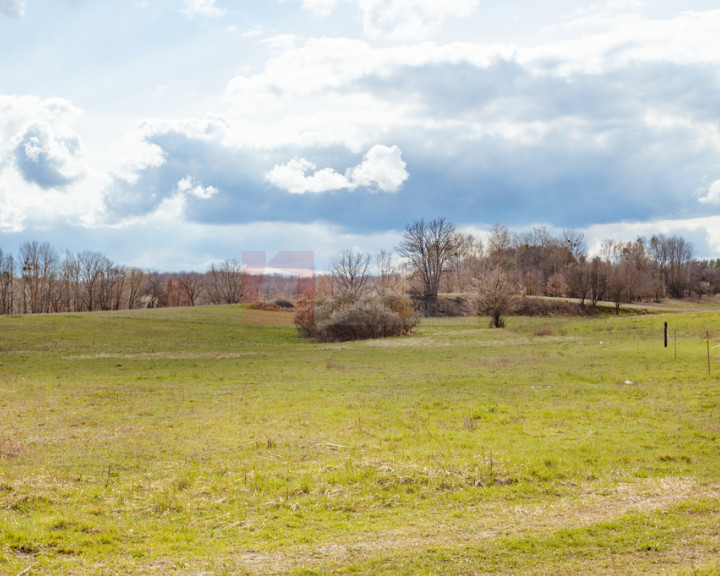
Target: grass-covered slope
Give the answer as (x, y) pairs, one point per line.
(214, 440)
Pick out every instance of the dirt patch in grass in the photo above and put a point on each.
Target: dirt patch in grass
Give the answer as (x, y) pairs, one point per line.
(488, 522)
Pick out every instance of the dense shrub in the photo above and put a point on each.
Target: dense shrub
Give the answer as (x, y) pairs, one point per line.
(446, 305)
(542, 307)
(305, 319)
(267, 306)
(282, 303)
(457, 304)
(356, 318)
(403, 307)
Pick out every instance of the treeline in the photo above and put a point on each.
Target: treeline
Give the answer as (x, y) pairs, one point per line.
(41, 280)
(432, 258)
(436, 258)
(492, 278)
(544, 264)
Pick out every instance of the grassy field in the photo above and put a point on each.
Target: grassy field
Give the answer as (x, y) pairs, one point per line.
(214, 441)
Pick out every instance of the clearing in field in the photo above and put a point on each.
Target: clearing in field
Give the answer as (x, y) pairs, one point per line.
(215, 441)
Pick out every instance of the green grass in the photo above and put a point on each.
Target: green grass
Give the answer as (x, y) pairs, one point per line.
(213, 440)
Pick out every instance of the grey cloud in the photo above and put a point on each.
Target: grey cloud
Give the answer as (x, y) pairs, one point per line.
(12, 8)
(581, 149)
(569, 183)
(204, 160)
(125, 200)
(596, 158)
(509, 90)
(47, 159)
(244, 195)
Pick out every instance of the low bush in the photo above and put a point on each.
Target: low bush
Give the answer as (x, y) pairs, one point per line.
(274, 307)
(356, 318)
(446, 305)
(541, 307)
(451, 305)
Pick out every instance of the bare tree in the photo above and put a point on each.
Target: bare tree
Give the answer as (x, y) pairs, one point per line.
(597, 280)
(575, 243)
(578, 280)
(498, 295)
(193, 285)
(556, 286)
(540, 255)
(465, 264)
(714, 275)
(7, 283)
(112, 284)
(29, 260)
(91, 266)
(155, 290)
(429, 246)
(630, 267)
(136, 280)
(39, 270)
(673, 256)
(500, 243)
(175, 293)
(351, 273)
(387, 277)
(224, 282)
(702, 278)
(620, 277)
(70, 282)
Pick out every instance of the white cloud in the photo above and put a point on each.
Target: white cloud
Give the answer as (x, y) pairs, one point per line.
(327, 91)
(382, 170)
(320, 7)
(131, 155)
(300, 176)
(45, 174)
(201, 8)
(320, 93)
(188, 185)
(18, 113)
(607, 37)
(401, 19)
(411, 19)
(712, 194)
(12, 8)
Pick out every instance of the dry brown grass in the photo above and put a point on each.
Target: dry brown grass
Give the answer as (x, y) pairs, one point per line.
(9, 447)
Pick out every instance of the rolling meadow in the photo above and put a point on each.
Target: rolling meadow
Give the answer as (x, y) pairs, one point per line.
(213, 440)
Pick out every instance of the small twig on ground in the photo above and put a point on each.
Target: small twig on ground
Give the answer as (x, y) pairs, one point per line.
(26, 570)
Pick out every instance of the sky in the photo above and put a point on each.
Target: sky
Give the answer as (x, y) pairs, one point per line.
(169, 134)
